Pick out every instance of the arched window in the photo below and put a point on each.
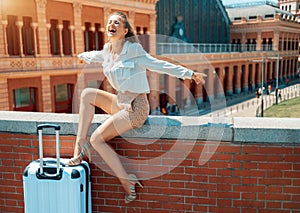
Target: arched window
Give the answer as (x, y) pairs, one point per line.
(28, 38)
(12, 33)
(99, 37)
(88, 37)
(66, 38)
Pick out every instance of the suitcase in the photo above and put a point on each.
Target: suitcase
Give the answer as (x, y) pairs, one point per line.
(51, 187)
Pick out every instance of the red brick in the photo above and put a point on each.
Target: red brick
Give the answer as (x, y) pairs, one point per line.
(275, 166)
(249, 189)
(273, 205)
(276, 150)
(248, 203)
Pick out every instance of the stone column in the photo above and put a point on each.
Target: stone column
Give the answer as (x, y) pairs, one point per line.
(42, 29)
(20, 25)
(46, 91)
(199, 93)
(34, 26)
(131, 18)
(78, 34)
(229, 86)
(276, 40)
(4, 102)
(48, 26)
(237, 82)
(219, 81)
(259, 42)
(171, 89)
(154, 93)
(209, 84)
(245, 79)
(72, 28)
(152, 39)
(106, 13)
(60, 27)
(3, 38)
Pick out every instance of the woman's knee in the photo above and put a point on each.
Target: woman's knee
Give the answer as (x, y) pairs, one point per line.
(96, 138)
(88, 94)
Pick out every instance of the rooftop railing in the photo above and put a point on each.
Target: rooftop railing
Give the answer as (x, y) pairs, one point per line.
(179, 48)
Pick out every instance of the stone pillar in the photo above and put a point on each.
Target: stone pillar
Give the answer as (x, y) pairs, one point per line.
(107, 12)
(3, 38)
(252, 77)
(78, 34)
(209, 84)
(34, 26)
(219, 81)
(131, 18)
(244, 41)
(199, 93)
(171, 90)
(46, 91)
(152, 39)
(259, 42)
(276, 41)
(20, 25)
(60, 27)
(4, 102)
(43, 31)
(154, 93)
(72, 28)
(245, 78)
(229, 86)
(48, 26)
(237, 83)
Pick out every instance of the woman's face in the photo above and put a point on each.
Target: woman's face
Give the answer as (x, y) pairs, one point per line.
(115, 28)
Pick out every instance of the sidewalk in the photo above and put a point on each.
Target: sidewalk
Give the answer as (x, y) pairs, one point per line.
(248, 108)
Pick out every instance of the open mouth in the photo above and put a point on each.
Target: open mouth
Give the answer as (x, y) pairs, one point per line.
(112, 30)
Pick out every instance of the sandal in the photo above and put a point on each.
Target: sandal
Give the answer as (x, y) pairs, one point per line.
(132, 180)
(77, 160)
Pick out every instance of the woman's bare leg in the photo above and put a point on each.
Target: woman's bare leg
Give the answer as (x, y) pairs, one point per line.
(111, 128)
(90, 98)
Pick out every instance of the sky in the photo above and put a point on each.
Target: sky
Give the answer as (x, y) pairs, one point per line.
(225, 2)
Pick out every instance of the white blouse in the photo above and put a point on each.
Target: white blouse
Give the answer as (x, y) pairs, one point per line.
(127, 73)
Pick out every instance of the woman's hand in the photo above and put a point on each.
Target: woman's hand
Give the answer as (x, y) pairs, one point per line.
(199, 77)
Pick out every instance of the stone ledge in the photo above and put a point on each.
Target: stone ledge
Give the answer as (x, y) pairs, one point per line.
(239, 130)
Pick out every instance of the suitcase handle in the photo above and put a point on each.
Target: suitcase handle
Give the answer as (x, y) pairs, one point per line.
(43, 126)
(40, 133)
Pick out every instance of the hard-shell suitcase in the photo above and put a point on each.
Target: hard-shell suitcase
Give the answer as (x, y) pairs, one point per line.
(52, 187)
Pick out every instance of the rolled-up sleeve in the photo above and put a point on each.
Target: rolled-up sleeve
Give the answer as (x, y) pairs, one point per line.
(160, 66)
(92, 56)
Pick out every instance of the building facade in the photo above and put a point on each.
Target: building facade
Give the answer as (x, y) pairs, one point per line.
(293, 6)
(40, 40)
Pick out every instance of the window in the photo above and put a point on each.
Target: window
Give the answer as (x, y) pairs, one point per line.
(54, 37)
(28, 37)
(99, 37)
(12, 33)
(66, 38)
(63, 97)
(25, 99)
(88, 37)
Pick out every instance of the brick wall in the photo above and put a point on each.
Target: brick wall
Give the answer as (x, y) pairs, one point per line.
(256, 178)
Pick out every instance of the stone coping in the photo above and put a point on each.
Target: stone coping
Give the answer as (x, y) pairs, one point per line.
(237, 129)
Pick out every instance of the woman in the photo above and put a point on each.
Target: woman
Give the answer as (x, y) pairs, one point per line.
(124, 63)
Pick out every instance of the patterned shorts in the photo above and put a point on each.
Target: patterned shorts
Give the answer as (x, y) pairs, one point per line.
(138, 111)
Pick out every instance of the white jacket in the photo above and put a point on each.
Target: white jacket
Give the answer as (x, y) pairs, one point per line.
(128, 71)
